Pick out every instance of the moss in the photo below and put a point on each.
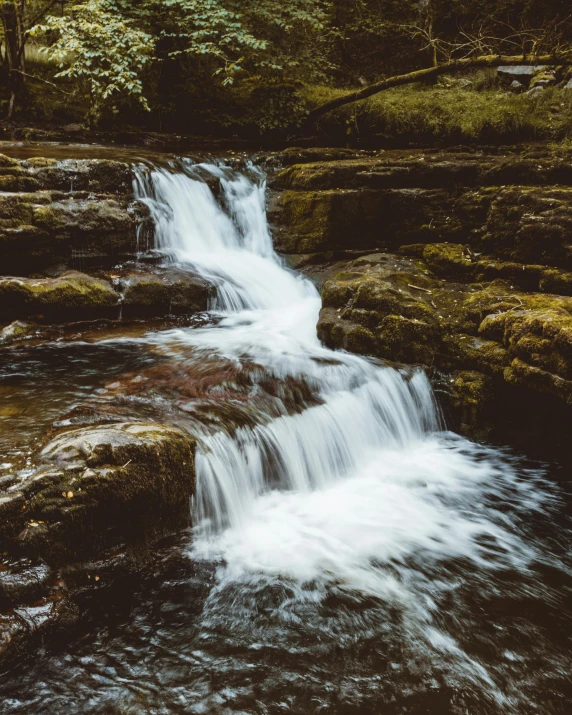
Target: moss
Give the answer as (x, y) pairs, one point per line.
(555, 281)
(430, 113)
(471, 352)
(472, 398)
(56, 299)
(531, 225)
(7, 162)
(407, 340)
(449, 259)
(521, 374)
(40, 162)
(18, 183)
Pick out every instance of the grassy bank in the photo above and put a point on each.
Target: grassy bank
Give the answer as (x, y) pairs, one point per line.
(439, 114)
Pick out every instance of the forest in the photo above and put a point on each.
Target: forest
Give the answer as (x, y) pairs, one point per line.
(231, 68)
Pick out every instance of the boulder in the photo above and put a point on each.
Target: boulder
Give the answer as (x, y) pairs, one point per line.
(521, 73)
(517, 87)
(17, 330)
(99, 487)
(168, 292)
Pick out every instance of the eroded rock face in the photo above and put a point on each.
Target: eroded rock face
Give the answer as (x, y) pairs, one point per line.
(517, 209)
(67, 214)
(395, 308)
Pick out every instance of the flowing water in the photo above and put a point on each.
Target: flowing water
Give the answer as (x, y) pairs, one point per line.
(348, 555)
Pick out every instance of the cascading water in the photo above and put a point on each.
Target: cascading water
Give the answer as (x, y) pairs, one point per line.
(346, 492)
(269, 316)
(349, 556)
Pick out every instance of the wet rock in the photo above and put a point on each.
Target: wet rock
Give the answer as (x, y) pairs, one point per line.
(98, 487)
(101, 176)
(391, 308)
(164, 293)
(15, 331)
(22, 580)
(27, 625)
(71, 296)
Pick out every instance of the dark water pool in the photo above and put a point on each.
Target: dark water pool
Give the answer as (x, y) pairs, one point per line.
(188, 640)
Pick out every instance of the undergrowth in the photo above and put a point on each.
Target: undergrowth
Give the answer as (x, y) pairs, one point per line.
(433, 113)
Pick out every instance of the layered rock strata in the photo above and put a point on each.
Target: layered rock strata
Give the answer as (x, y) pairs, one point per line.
(461, 263)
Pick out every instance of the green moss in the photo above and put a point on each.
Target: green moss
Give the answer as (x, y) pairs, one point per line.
(454, 114)
(56, 299)
(449, 259)
(555, 281)
(407, 340)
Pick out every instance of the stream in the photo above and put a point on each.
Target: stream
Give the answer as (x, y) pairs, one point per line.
(348, 555)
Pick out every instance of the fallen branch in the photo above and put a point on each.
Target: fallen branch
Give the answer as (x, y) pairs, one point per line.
(431, 72)
(425, 290)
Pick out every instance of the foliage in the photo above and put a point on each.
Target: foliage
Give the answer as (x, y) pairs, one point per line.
(110, 41)
(238, 65)
(106, 50)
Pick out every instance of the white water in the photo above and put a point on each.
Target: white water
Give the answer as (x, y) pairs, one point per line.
(361, 481)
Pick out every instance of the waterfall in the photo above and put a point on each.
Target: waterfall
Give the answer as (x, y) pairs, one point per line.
(364, 475)
(269, 316)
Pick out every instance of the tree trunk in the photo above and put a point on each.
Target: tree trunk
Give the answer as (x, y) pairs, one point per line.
(13, 32)
(431, 72)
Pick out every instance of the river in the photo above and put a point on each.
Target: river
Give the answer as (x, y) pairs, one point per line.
(348, 554)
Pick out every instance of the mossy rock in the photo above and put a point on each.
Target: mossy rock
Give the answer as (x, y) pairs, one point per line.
(555, 281)
(101, 176)
(449, 259)
(17, 330)
(360, 219)
(97, 487)
(473, 395)
(531, 225)
(148, 294)
(71, 296)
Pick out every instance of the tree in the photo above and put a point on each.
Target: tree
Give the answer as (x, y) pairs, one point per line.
(485, 47)
(108, 43)
(18, 17)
